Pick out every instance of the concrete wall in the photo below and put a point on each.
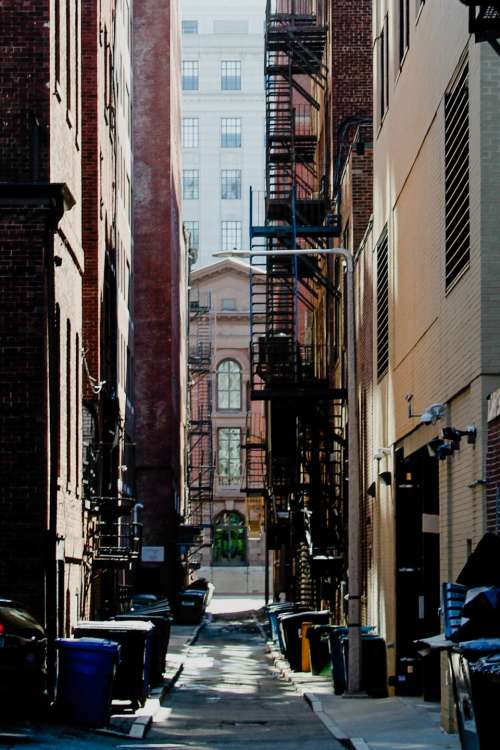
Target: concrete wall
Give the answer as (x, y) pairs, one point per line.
(210, 104)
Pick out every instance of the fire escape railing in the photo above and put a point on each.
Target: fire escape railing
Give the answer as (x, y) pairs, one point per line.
(200, 459)
(304, 467)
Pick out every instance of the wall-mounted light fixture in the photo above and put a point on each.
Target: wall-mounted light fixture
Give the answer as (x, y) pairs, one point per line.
(386, 478)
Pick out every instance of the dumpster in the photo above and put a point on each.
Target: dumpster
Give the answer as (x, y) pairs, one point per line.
(373, 658)
(133, 672)
(290, 625)
(159, 641)
(475, 670)
(86, 668)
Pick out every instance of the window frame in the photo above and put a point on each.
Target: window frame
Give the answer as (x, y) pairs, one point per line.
(226, 80)
(193, 130)
(229, 231)
(227, 475)
(194, 77)
(230, 132)
(194, 233)
(220, 374)
(185, 26)
(191, 179)
(230, 178)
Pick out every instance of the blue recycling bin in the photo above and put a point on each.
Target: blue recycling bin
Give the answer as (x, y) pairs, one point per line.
(273, 610)
(85, 679)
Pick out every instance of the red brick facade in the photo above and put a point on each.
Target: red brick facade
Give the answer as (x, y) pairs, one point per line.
(158, 257)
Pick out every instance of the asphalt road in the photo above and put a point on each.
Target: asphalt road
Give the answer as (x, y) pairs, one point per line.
(229, 698)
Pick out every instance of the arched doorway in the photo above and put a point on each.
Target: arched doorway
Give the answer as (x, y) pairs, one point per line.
(230, 542)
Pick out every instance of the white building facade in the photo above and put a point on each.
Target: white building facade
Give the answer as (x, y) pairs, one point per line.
(223, 133)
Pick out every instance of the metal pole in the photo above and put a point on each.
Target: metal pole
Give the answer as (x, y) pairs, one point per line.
(354, 536)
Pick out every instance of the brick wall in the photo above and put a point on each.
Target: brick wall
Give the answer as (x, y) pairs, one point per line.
(24, 39)
(157, 256)
(23, 449)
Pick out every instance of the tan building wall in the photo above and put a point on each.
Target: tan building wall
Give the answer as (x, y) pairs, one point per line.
(227, 283)
(444, 342)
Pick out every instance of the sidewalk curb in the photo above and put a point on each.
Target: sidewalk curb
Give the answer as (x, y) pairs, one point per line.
(313, 700)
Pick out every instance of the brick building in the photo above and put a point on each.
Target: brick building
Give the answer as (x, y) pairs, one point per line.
(108, 345)
(232, 515)
(160, 266)
(41, 317)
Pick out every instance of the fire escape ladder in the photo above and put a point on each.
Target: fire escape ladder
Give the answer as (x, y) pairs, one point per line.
(200, 459)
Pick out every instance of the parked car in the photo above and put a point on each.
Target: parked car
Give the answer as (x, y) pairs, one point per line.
(23, 654)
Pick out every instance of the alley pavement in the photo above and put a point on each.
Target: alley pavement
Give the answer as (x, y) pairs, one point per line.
(229, 698)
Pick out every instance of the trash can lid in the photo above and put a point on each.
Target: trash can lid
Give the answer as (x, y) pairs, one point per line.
(114, 625)
(87, 644)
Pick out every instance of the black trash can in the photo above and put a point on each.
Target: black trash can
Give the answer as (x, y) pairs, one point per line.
(191, 607)
(275, 609)
(133, 672)
(292, 636)
(319, 646)
(373, 664)
(159, 641)
(475, 669)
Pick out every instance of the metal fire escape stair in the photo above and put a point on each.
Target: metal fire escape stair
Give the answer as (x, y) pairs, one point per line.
(305, 463)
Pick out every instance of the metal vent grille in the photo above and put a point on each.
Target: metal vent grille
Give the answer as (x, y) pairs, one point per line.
(382, 305)
(456, 115)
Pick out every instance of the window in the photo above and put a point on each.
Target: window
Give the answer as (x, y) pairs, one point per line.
(383, 305)
(229, 455)
(229, 546)
(193, 227)
(68, 401)
(190, 27)
(190, 132)
(383, 67)
(190, 75)
(68, 54)
(456, 165)
(231, 235)
(404, 28)
(190, 184)
(228, 304)
(57, 34)
(231, 184)
(230, 134)
(78, 365)
(230, 75)
(229, 382)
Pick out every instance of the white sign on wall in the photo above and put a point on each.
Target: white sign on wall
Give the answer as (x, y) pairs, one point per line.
(153, 554)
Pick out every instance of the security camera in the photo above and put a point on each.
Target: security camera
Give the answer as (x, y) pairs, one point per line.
(432, 414)
(440, 449)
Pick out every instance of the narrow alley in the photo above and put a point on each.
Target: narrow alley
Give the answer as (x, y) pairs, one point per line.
(229, 697)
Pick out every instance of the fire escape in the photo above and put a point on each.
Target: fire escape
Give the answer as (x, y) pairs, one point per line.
(200, 468)
(304, 482)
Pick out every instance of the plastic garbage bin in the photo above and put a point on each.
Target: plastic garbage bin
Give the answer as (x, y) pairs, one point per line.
(273, 610)
(318, 637)
(159, 641)
(86, 668)
(290, 625)
(373, 666)
(133, 672)
(191, 607)
(475, 669)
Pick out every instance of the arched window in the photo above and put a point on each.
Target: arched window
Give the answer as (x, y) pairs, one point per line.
(230, 543)
(229, 385)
